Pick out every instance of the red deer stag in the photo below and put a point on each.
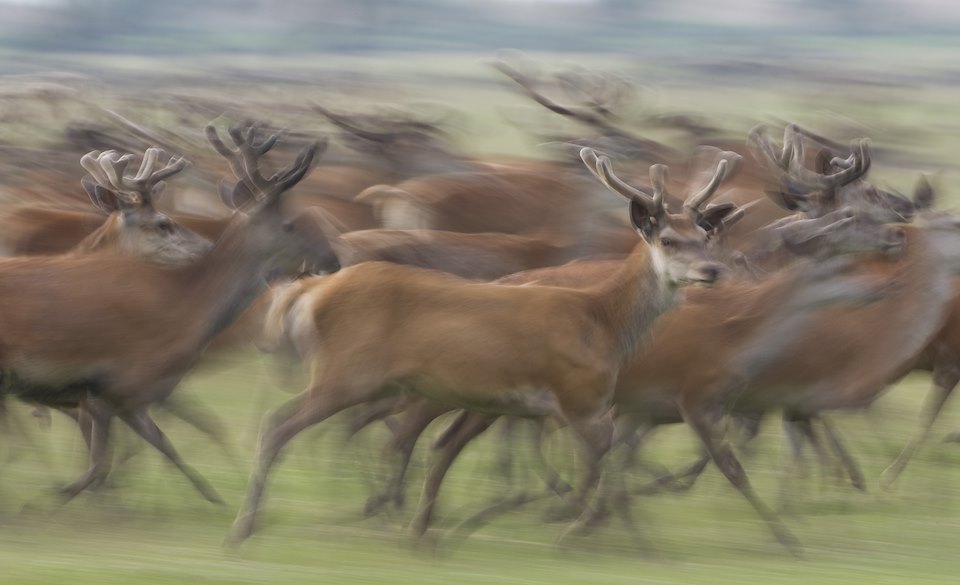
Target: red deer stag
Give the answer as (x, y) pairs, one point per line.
(150, 328)
(529, 351)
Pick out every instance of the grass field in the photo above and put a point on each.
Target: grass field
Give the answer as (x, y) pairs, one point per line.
(152, 528)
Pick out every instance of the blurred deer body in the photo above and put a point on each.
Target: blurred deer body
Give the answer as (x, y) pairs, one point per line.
(151, 326)
(489, 347)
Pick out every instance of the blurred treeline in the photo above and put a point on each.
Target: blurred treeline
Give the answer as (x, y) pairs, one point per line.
(290, 26)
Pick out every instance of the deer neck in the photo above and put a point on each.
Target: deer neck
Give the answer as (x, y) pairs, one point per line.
(105, 237)
(926, 289)
(223, 284)
(634, 296)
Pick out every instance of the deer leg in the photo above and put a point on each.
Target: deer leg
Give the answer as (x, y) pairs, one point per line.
(100, 417)
(415, 421)
(278, 428)
(750, 425)
(614, 494)
(596, 435)
(378, 410)
(794, 464)
(143, 425)
(463, 430)
(946, 374)
(706, 424)
(195, 414)
(805, 427)
(508, 427)
(83, 419)
(686, 478)
(826, 464)
(547, 473)
(675, 482)
(549, 476)
(849, 464)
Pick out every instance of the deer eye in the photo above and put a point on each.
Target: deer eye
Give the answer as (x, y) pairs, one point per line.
(165, 225)
(666, 242)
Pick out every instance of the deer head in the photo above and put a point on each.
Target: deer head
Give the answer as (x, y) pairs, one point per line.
(836, 183)
(141, 229)
(680, 238)
(841, 232)
(287, 239)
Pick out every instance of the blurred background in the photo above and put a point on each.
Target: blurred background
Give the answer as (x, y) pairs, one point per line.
(77, 75)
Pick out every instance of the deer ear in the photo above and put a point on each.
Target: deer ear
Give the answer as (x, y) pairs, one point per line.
(713, 215)
(648, 226)
(101, 197)
(923, 194)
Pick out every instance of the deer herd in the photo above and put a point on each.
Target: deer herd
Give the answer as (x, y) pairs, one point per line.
(739, 282)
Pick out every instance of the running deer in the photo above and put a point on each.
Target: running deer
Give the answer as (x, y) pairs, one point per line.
(133, 226)
(528, 351)
(834, 234)
(756, 356)
(136, 338)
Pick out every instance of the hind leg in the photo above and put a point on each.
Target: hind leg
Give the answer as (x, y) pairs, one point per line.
(278, 428)
(468, 426)
(706, 423)
(416, 420)
(946, 374)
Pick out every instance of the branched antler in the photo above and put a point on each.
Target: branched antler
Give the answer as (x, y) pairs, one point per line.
(594, 114)
(108, 169)
(245, 160)
(789, 161)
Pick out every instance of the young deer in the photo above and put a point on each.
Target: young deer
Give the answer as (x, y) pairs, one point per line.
(527, 351)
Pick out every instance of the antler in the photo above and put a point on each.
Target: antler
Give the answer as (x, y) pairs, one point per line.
(108, 170)
(599, 164)
(593, 115)
(348, 125)
(245, 160)
(790, 161)
(395, 129)
(727, 160)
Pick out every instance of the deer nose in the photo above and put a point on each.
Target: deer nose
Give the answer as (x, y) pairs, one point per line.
(707, 271)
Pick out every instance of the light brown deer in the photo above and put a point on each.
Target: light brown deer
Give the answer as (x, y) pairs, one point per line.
(133, 341)
(766, 249)
(529, 351)
(834, 234)
(837, 358)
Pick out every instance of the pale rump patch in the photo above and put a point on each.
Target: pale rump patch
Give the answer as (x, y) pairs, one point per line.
(401, 214)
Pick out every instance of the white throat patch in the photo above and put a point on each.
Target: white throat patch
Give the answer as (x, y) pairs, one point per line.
(659, 261)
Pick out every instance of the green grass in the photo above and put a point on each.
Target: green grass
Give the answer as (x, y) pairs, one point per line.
(153, 528)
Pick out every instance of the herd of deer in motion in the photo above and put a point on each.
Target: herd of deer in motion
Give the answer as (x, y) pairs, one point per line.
(508, 288)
